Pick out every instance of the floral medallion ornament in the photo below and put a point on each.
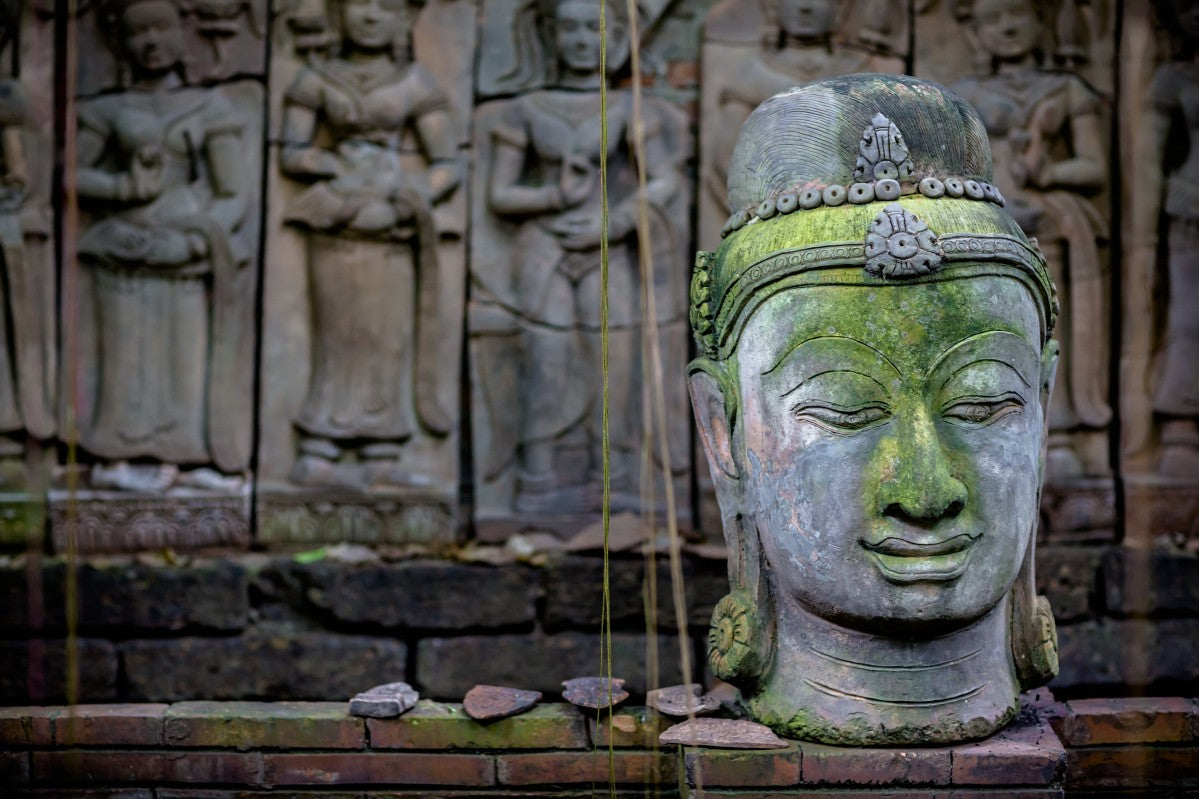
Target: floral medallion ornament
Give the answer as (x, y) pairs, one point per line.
(737, 649)
(882, 152)
(898, 244)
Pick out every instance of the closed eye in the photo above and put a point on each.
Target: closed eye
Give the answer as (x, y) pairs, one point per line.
(981, 411)
(841, 420)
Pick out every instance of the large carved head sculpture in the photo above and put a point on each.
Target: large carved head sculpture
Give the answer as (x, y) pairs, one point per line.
(871, 391)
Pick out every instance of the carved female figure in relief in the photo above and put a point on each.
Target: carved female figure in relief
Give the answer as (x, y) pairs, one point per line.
(167, 341)
(27, 306)
(544, 175)
(372, 246)
(1046, 136)
(1173, 118)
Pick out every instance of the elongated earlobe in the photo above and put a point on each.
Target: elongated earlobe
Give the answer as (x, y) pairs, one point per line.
(712, 418)
(1049, 359)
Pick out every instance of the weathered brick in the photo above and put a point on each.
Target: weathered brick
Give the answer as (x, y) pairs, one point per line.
(207, 594)
(263, 725)
(14, 767)
(109, 725)
(1067, 575)
(630, 727)
(294, 666)
(27, 726)
(431, 725)
(373, 768)
(838, 764)
(904, 793)
(35, 671)
(719, 768)
(1132, 767)
(430, 595)
(1108, 653)
(1128, 720)
(1027, 752)
(87, 793)
(1139, 582)
(141, 767)
(446, 668)
(572, 768)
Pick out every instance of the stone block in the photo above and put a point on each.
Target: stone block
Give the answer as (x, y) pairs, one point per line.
(203, 594)
(1066, 575)
(1078, 511)
(1128, 720)
(1141, 583)
(114, 521)
(432, 725)
(1132, 767)
(720, 768)
(35, 671)
(877, 767)
(113, 767)
(422, 594)
(631, 727)
(446, 668)
(1026, 752)
(290, 517)
(574, 592)
(98, 793)
(263, 725)
(1127, 652)
(318, 666)
(378, 768)
(27, 726)
(565, 768)
(109, 725)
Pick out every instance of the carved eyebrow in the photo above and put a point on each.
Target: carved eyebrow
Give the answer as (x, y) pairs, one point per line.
(787, 355)
(979, 340)
(796, 387)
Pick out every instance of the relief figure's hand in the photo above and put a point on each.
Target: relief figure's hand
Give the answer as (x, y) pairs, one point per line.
(577, 181)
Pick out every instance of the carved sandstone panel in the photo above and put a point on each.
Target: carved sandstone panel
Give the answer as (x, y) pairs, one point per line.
(160, 335)
(365, 276)
(1158, 375)
(1030, 80)
(535, 289)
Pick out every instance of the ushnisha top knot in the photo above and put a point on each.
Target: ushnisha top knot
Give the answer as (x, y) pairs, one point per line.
(859, 179)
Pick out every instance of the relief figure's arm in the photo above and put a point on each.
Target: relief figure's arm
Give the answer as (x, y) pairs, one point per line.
(1086, 169)
(506, 195)
(298, 157)
(437, 139)
(93, 183)
(230, 190)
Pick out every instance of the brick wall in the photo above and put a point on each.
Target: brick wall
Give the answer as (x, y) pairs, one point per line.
(265, 626)
(239, 749)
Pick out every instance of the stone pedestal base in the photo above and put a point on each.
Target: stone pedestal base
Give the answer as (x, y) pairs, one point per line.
(1160, 510)
(117, 521)
(414, 516)
(1081, 511)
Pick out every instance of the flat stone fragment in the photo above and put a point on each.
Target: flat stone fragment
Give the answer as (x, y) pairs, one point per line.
(485, 702)
(384, 701)
(594, 692)
(723, 734)
(682, 700)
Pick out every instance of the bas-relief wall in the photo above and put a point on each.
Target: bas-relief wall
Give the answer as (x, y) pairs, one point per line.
(391, 219)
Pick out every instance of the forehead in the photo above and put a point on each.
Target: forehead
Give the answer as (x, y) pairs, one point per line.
(150, 9)
(576, 9)
(912, 324)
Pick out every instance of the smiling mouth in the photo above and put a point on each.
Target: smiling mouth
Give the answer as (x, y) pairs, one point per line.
(904, 561)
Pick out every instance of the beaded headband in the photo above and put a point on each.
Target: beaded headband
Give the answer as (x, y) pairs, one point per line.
(897, 245)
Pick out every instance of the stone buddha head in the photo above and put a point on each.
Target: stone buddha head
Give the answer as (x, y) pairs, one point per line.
(871, 391)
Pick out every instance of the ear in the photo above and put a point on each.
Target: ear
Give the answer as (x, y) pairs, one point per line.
(712, 418)
(1049, 359)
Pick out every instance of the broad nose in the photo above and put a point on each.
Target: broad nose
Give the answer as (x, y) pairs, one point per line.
(917, 483)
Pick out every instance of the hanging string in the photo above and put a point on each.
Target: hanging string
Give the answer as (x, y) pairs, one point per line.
(605, 442)
(658, 428)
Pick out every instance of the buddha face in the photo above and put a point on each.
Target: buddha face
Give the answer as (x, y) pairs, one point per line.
(888, 447)
(372, 24)
(577, 35)
(153, 35)
(1007, 29)
(806, 19)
